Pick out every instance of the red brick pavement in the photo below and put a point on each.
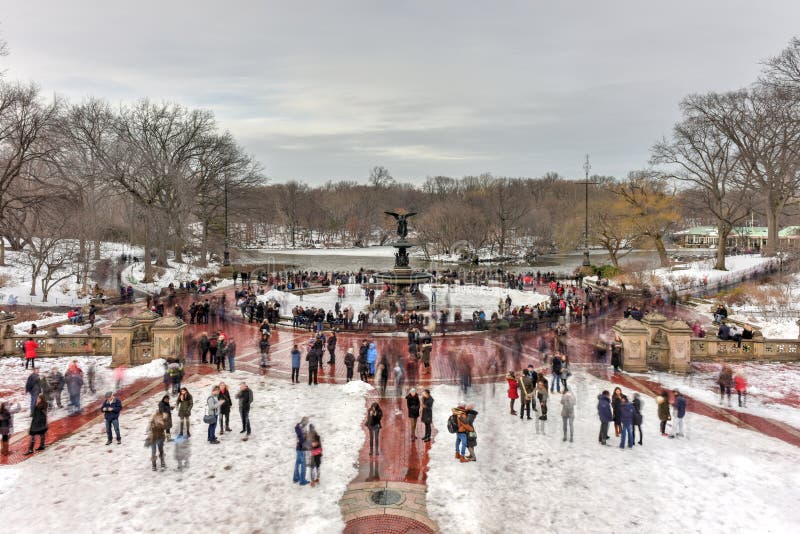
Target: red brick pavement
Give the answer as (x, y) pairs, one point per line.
(131, 395)
(386, 524)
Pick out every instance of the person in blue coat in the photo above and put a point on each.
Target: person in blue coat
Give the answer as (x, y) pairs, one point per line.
(295, 365)
(111, 408)
(372, 357)
(604, 412)
(627, 413)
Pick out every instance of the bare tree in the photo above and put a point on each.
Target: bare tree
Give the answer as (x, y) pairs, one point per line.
(702, 156)
(784, 69)
(380, 177)
(24, 124)
(764, 125)
(289, 203)
(508, 205)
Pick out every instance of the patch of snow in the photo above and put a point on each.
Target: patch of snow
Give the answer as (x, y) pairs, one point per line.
(584, 487)
(241, 485)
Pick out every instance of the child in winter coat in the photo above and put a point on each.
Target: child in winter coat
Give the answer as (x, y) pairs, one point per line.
(740, 385)
(316, 458)
(513, 395)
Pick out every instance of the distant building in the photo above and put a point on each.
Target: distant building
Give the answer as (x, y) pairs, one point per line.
(742, 237)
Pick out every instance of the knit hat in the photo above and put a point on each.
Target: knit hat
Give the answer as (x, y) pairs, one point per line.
(109, 393)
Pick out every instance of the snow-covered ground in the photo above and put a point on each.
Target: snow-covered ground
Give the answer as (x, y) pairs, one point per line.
(13, 376)
(17, 287)
(696, 272)
(236, 486)
(772, 388)
(370, 252)
(773, 307)
(720, 479)
(175, 274)
(46, 319)
(467, 298)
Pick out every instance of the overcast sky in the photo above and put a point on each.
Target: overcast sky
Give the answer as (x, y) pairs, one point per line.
(326, 90)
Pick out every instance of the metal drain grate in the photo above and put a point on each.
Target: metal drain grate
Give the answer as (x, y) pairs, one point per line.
(386, 497)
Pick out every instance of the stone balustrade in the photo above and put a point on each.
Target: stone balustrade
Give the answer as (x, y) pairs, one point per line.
(659, 343)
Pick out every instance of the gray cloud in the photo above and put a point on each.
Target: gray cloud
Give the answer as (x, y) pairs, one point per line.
(325, 90)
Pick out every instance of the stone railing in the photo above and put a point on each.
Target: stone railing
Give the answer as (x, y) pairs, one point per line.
(59, 345)
(759, 349)
(659, 343)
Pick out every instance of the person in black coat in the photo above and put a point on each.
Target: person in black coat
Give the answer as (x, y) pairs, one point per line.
(224, 409)
(314, 358)
(349, 363)
(363, 366)
(616, 400)
(637, 416)
(373, 422)
(427, 413)
(412, 402)
(38, 424)
(245, 397)
(332, 348)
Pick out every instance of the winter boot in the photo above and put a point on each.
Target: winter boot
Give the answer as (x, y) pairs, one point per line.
(457, 455)
(463, 459)
(4, 448)
(154, 463)
(163, 465)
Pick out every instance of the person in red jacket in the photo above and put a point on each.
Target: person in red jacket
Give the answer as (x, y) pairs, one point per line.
(30, 347)
(512, 390)
(740, 385)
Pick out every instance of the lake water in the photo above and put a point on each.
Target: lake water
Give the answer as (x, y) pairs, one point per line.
(382, 258)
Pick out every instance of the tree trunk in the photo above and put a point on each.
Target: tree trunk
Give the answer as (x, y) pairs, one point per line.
(96, 250)
(204, 246)
(45, 289)
(722, 231)
(148, 266)
(774, 209)
(502, 243)
(34, 276)
(612, 255)
(2, 251)
(662, 250)
(161, 255)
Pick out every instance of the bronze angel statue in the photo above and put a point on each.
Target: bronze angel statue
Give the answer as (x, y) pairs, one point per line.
(402, 224)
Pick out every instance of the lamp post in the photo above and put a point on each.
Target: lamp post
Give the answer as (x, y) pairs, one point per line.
(586, 183)
(226, 253)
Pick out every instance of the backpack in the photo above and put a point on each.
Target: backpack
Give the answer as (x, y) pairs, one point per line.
(452, 424)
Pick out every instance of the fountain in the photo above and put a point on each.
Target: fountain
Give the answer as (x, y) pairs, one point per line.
(403, 282)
